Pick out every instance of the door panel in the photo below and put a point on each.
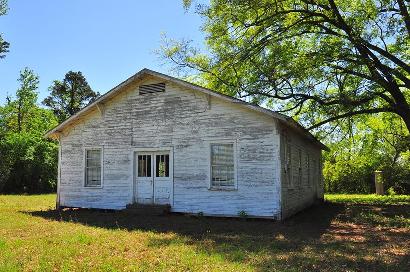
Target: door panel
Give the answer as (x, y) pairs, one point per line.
(162, 179)
(154, 177)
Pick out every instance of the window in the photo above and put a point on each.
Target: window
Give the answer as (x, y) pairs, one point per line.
(314, 173)
(93, 161)
(162, 165)
(144, 165)
(222, 166)
(300, 166)
(288, 164)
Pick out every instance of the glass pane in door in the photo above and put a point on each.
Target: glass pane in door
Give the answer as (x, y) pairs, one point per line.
(162, 165)
(144, 165)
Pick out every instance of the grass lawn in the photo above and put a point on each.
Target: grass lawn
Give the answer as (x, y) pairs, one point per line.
(347, 233)
(369, 199)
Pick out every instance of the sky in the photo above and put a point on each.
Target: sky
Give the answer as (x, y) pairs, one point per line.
(106, 40)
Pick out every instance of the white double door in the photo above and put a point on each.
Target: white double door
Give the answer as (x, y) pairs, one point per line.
(153, 177)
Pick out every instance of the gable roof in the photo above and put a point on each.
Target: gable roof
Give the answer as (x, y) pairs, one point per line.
(287, 121)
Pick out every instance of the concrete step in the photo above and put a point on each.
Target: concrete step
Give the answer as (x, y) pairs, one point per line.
(148, 209)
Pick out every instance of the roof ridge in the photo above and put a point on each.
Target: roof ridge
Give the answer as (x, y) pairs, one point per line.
(285, 119)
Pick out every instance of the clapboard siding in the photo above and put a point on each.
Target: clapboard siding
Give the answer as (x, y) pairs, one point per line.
(307, 188)
(187, 121)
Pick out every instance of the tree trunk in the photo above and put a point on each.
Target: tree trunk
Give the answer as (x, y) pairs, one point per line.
(404, 112)
(406, 120)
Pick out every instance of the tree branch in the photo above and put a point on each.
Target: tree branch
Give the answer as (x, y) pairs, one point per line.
(365, 111)
(404, 12)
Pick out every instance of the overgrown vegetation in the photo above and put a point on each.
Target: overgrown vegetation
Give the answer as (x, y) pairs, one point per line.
(360, 147)
(331, 237)
(28, 161)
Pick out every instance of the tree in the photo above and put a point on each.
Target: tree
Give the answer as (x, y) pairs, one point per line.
(4, 46)
(327, 59)
(70, 95)
(28, 160)
(26, 95)
(362, 145)
(16, 115)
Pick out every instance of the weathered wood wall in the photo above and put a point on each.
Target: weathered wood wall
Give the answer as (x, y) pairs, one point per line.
(187, 121)
(307, 181)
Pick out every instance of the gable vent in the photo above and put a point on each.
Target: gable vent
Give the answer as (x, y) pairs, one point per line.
(152, 88)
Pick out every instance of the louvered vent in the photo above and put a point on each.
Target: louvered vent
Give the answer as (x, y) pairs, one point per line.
(152, 88)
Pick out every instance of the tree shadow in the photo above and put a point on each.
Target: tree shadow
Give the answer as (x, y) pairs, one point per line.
(314, 221)
(320, 238)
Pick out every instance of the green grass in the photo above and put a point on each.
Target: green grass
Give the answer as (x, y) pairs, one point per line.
(368, 199)
(340, 235)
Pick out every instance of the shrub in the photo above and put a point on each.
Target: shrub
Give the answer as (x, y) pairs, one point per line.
(28, 164)
(243, 214)
(391, 192)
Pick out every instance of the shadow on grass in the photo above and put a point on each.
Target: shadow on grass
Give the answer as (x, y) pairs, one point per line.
(323, 238)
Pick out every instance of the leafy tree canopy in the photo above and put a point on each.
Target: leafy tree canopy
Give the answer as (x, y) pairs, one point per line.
(362, 145)
(70, 95)
(22, 114)
(323, 60)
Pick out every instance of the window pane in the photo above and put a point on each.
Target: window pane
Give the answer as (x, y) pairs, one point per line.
(144, 165)
(222, 175)
(167, 165)
(94, 176)
(222, 154)
(93, 168)
(288, 156)
(222, 165)
(162, 165)
(289, 165)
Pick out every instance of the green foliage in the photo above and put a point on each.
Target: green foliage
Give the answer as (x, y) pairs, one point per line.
(26, 97)
(321, 60)
(29, 164)
(4, 46)
(359, 148)
(28, 161)
(391, 192)
(368, 199)
(70, 95)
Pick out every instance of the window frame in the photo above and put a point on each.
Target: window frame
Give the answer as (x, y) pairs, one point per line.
(300, 166)
(308, 169)
(89, 148)
(288, 165)
(315, 172)
(234, 187)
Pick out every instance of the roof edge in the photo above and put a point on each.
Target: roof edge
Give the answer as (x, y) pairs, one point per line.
(283, 118)
(100, 99)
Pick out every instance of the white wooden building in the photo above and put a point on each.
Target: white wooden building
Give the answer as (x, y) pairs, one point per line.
(155, 139)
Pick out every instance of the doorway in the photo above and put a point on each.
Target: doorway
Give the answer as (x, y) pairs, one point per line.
(153, 177)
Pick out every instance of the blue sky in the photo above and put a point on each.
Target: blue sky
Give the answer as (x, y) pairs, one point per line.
(106, 40)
